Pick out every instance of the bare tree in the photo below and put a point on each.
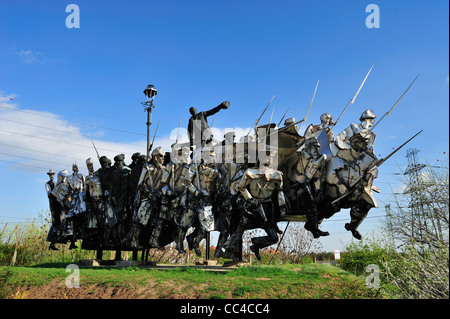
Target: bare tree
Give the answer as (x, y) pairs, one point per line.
(420, 225)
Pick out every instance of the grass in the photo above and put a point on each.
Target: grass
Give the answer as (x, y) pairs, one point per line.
(310, 281)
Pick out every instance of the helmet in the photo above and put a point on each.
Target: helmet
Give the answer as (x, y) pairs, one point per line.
(157, 151)
(119, 158)
(325, 116)
(367, 114)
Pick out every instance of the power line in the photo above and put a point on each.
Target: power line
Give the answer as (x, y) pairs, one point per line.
(28, 149)
(24, 164)
(30, 158)
(65, 142)
(54, 129)
(75, 123)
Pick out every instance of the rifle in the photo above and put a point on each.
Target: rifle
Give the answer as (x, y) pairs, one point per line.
(354, 98)
(260, 116)
(309, 109)
(392, 108)
(375, 164)
(98, 155)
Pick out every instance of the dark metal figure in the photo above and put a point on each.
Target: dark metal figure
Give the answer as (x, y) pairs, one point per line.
(198, 128)
(54, 233)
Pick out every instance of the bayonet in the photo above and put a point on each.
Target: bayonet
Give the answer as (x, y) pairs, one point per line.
(282, 118)
(392, 108)
(98, 155)
(270, 121)
(256, 122)
(309, 109)
(354, 98)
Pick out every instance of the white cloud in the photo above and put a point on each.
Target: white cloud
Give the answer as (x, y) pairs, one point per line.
(37, 141)
(29, 57)
(41, 140)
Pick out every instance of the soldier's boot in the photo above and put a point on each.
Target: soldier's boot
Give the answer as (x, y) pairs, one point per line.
(197, 239)
(154, 241)
(255, 250)
(52, 247)
(192, 243)
(352, 228)
(316, 232)
(357, 215)
(220, 243)
(312, 226)
(179, 240)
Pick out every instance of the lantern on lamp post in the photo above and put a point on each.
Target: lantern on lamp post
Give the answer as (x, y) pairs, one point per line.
(150, 93)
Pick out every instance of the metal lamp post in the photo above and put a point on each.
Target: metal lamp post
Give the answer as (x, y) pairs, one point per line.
(150, 92)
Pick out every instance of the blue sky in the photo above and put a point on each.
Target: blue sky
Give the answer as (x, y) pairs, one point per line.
(68, 83)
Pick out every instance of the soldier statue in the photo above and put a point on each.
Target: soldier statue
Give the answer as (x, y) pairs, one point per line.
(173, 197)
(144, 218)
(201, 182)
(341, 147)
(304, 179)
(95, 219)
(77, 186)
(116, 208)
(343, 171)
(230, 174)
(55, 229)
(326, 121)
(264, 204)
(63, 195)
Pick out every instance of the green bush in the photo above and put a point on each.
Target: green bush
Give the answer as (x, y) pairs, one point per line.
(365, 252)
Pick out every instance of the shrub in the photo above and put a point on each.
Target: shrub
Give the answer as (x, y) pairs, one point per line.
(365, 252)
(420, 273)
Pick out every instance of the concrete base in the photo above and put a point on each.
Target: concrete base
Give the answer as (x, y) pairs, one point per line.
(206, 263)
(97, 262)
(235, 263)
(134, 263)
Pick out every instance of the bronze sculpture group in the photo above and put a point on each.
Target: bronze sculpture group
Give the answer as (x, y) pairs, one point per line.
(274, 175)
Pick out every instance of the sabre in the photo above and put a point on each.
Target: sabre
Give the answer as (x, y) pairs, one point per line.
(377, 164)
(260, 115)
(354, 98)
(392, 108)
(178, 132)
(309, 109)
(154, 135)
(98, 155)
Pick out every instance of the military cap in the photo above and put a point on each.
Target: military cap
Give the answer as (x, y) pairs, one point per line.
(119, 158)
